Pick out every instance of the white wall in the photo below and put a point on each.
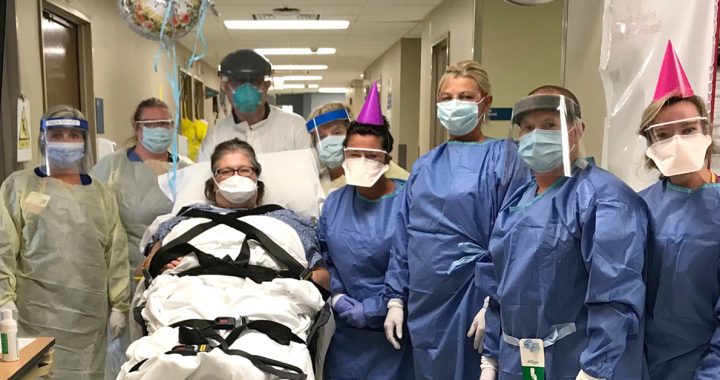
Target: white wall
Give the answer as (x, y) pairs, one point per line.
(456, 17)
(122, 63)
(582, 69)
(398, 71)
(521, 50)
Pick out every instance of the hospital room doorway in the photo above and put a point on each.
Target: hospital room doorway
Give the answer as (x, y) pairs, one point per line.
(440, 61)
(67, 61)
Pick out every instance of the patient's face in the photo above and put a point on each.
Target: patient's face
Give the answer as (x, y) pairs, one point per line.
(235, 160)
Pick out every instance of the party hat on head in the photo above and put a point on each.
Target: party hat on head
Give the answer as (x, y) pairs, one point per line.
(672, 79)
(370, 112)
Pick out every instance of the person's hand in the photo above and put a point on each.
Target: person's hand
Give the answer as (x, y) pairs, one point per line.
(118, 322)
(351, 311)
(584, 376)
(394, 322)
(341, 303)
(488, 368)
(477, 328)
(172, 265)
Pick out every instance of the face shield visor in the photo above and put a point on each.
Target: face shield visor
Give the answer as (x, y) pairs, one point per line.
(679, 146)
(245, 94)
(548, 130)
(65, 146)
(328, 131)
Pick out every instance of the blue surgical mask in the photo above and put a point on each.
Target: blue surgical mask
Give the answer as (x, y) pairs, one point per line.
(246, 98)
(460, 117)
(330, 151)
(542, 150)
(65, 154)
(157, 140)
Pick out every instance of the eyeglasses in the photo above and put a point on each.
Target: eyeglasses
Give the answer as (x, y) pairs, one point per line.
(167, 124)
(244, 171)
(370, 154)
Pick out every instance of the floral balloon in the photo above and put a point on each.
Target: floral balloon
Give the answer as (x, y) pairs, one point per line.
(146, 17)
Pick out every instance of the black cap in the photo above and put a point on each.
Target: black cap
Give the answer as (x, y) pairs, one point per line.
(244, 64)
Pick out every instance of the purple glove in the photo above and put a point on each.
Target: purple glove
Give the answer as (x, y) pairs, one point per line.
(351, 311)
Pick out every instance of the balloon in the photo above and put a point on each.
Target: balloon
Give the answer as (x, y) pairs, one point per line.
(146, 17)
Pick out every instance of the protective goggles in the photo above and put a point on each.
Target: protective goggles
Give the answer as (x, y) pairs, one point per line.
(370, 154)
(167, 123)
(688, 126)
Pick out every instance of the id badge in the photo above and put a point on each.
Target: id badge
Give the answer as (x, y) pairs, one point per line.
(532, 359)
(35, 202)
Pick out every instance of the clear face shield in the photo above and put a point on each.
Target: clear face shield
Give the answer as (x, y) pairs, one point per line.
(548, 131)
(328, 131)
(65, 146)
(245, 95)
(679, 146)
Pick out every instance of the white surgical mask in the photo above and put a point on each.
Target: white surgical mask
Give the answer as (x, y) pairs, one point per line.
(237, 189)
(360, 171)
(680, 154)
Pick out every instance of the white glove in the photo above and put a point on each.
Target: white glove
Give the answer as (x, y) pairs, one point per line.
(488, 368)
(584, 376)
(477, 327)
(394, 322)
(118, 322)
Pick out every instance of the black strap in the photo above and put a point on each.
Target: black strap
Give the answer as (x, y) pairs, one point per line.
(321, 318)
(296, 270)
(201, 331)
(137, 315)
(267, 365)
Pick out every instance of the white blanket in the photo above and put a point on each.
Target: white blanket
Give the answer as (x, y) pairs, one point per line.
(171, 299)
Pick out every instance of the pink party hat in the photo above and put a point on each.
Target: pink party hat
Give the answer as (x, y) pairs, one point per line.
(672, 79)
(370, 112)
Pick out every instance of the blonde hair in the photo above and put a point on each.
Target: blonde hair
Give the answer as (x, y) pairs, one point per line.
(62, 111)
(652, 110)
(467, 69)
(325, 108)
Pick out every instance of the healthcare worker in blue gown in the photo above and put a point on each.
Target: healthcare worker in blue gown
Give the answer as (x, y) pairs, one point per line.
(453, 196)
(683, 317)
(568, 252)
(356, 232)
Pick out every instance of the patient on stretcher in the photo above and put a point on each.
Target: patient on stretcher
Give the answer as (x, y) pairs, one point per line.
(230, 295)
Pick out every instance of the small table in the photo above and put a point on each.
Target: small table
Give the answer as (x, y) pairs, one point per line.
(36, 360)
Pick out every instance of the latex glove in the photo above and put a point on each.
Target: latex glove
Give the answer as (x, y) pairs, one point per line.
(584, 376)
(477, 328)
(354, 315)
(118, 322)
(342, 303)
(488, 368)
(394, 322)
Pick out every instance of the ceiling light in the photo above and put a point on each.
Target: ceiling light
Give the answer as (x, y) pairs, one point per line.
(332, 90)
(295, 51)
(299, 67)
(314, 85)
(288, 86)
(287, 24)
(300, 77)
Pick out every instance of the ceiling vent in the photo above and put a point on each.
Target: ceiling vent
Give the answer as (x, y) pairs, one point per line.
(285, 13)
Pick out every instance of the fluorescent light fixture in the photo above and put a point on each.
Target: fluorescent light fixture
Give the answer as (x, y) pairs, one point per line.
(289, 86)
(314, 85)
(332, 90)
(295, 51)
(287, 24)
(300, 77)
(299, 67)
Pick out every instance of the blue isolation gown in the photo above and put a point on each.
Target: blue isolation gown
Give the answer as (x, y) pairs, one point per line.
(453, 196)
(683, 318)
(571, 259)
(355, 236)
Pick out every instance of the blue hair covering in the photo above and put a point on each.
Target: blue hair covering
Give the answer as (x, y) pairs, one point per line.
(339, 114)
